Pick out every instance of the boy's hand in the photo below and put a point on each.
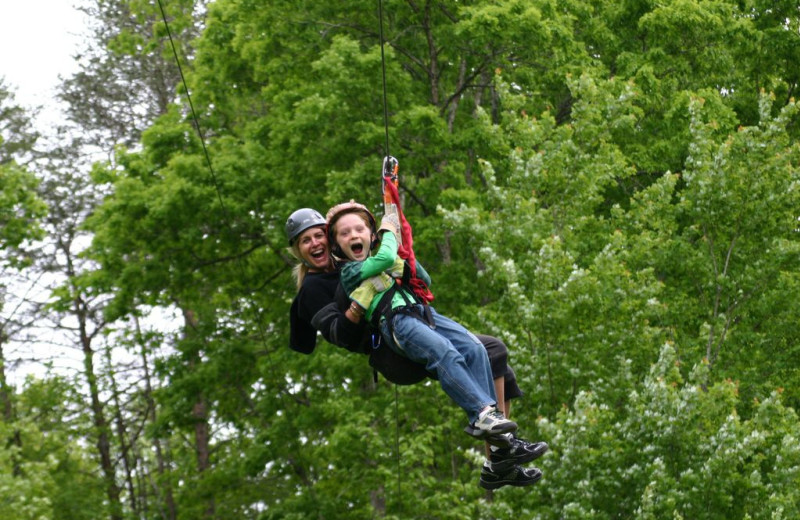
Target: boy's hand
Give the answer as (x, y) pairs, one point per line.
(390, 223)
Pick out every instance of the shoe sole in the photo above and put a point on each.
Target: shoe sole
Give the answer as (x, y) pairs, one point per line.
(502, 429)
(514, 483)
(498, 439)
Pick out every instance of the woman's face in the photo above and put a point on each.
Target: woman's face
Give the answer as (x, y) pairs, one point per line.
(353, 235)
(313, 246)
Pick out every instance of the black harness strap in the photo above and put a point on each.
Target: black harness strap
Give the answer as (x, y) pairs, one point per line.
(411, 308)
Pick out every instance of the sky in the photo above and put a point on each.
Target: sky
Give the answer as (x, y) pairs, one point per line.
(37, 41)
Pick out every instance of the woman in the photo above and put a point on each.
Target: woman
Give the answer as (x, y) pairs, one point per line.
(315, 309)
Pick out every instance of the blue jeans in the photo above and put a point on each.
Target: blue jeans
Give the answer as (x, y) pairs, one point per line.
(450, 351)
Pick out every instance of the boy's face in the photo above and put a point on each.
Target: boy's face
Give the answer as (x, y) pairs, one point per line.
(353, 236)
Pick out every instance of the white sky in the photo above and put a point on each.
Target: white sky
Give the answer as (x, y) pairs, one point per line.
(37, 41)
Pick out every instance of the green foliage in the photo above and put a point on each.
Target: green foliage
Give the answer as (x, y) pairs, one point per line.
(22, 497)
(17, 135)
(127, 75)
(44, 470)
(740, 199)
(671, 449)
(559, 277)
(20, 207)
(20, 210)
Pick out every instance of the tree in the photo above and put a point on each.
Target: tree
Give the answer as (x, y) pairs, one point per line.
(20, 211)
(738, 245)
(557, 280)
(17, 136)
(128, 76)
(47, 472)
(19, 206)
(75, 309)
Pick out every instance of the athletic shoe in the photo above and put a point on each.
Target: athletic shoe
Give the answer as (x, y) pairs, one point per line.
(519, 452)
(492, 422)
(515, 476)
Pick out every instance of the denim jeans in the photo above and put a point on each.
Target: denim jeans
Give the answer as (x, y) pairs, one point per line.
(452, 352)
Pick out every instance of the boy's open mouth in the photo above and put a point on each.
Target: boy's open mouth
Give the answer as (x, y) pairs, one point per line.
(357, 248)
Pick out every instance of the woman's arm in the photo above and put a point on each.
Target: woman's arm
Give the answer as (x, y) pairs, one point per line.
(320, 306)
(337, 329)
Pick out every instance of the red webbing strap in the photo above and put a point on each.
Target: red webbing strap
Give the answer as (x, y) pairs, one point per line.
(406, 250)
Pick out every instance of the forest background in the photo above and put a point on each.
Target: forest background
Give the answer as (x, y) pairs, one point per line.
(610, 187)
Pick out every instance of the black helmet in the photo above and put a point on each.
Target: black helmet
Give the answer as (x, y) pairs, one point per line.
(301, 220)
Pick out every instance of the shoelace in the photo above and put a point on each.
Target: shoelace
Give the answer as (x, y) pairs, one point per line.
(495, 414)
(520, 444)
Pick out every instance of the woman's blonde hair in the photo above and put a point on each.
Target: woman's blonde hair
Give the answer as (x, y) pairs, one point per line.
(300, 270)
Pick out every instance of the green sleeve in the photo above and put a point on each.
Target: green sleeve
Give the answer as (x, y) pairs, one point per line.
(383, 259)
(423, 275)
(353, 273)
(350, 276)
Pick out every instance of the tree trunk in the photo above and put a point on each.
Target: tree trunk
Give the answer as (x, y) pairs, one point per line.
(202, 432)
(122, 437)
(164, 492)
(7, 405)
(101, 427)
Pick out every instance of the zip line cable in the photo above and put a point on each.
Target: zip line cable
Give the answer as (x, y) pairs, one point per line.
(194, 115)
(383, 74)
(225, 213)
(227, 221)
(386, 154)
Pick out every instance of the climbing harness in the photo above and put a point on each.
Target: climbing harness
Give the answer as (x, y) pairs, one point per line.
(389, 176)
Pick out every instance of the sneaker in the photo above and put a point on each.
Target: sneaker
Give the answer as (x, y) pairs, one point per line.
(515, 476)
(518, 452)
(492, 422)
